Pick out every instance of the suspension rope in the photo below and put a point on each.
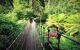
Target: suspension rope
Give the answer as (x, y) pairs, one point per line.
(72, 40)
(11, 35)
(19, 41)
(13, 42)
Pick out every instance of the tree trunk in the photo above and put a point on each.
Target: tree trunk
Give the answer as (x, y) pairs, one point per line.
(49, 2)
(33, 3)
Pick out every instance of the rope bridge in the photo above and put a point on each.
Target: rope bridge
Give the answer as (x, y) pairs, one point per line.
(19, 42)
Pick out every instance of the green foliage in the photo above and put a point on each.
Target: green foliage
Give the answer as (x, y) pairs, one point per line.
(3, 41)
(66, 44)
(9, 30)
(14, 13)
(62, 6)
(69, 24)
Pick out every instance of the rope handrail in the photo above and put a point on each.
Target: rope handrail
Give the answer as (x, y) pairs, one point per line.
(68, 38)
(72, 40)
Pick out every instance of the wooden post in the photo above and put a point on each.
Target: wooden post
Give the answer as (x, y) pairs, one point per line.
(59, 35)
(59, 41)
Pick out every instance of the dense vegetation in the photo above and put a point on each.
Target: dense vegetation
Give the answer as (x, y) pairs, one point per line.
(15, 13)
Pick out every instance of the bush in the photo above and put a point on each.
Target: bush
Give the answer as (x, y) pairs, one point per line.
(9, 30)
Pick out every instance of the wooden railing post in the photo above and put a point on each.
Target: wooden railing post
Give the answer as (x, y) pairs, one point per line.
(59, 36)
(48, 34)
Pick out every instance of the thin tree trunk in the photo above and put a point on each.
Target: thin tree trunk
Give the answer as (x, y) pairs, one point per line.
(49, 2)
(11, 2)
(33, 3)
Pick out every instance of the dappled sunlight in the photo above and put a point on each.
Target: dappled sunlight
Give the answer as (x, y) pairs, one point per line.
(23, 21)
(63, 39)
